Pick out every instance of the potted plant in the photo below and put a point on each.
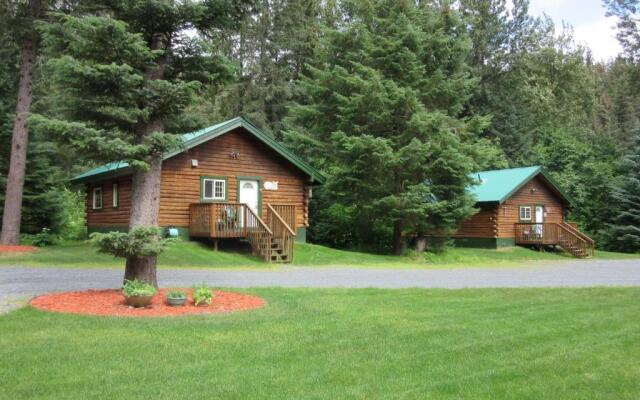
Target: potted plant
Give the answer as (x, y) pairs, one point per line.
(176, 298)
(202, 295)
(138, 293)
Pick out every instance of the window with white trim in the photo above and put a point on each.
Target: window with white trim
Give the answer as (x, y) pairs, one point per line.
(115, 195)
(525, 213)
(214, 189)
(97, 198)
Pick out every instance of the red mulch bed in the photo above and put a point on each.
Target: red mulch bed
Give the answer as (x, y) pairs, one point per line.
(17, 249)
(111, 302)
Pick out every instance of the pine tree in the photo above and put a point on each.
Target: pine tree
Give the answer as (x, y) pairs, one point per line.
(623, 233)
(23, 19)
(123, 78)
(382, 117)
(275, 41)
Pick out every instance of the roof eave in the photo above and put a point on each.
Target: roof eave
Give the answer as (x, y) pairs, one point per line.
(116, 173)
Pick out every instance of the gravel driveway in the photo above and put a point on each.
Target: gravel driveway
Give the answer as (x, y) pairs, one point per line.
(22, 283)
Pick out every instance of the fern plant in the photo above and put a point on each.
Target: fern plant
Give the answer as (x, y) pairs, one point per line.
(202, 294)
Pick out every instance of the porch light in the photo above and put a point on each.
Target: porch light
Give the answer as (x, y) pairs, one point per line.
(194, 163)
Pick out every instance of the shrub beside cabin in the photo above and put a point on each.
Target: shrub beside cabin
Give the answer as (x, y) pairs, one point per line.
(230, 180)
(521, 206)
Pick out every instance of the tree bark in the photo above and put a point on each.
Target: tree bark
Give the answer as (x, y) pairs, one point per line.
(142, 269)
(12, 213)
(145, 207)
(421, 244)
(145, 192)
(398, 240)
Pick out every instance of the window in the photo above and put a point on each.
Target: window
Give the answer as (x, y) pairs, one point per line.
(97, 198)
(214, 189)
(115, 193)
(525, 213)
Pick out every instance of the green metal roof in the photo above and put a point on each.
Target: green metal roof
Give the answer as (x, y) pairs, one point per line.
(190, 140)
(497, 186)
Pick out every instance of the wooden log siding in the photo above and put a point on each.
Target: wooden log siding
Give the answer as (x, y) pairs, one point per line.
(181, 182)
(109, 216)
(483, 224)
(509, 211)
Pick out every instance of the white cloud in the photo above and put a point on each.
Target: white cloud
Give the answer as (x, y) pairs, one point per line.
(600, 37)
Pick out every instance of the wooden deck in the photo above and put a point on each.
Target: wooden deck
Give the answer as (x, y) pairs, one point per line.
(272, 238)
(561, 234)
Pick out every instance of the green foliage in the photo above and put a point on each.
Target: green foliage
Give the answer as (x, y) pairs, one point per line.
(623, 232)
(72, 214)
(382, 115)
(138, 242)
(202, 294)
(177, 294)
(41, 239)
(132, 288)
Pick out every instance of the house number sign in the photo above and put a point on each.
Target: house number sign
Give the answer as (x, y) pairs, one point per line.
(271, 185)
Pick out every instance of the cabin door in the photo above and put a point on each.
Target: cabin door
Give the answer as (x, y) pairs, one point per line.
(539, 227)
(248, 194)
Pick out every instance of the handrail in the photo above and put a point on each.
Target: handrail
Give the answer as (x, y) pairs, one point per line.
(576, 240)
(578, 232)
(260, 221)
(283, 237)
(287, 212)
(281, 220)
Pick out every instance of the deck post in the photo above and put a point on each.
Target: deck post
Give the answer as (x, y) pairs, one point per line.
(215, 244)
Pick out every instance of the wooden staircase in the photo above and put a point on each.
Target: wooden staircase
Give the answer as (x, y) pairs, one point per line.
(561, 234)
(272, 240)
(575, 242)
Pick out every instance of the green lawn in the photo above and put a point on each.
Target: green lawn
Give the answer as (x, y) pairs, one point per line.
(339, 344)
(197, 255)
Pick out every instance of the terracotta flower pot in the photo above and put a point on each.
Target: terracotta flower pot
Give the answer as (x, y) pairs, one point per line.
(139, 301)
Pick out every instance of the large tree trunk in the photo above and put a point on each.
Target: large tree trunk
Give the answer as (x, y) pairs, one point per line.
(145, 192)
(145, 207)
(12, 214)
(398, 240)
(421, 243)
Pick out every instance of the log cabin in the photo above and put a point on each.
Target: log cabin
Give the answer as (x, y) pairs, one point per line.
(521, 206)
(230, 180)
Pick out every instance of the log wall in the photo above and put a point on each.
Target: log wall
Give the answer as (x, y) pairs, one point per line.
(483, 224)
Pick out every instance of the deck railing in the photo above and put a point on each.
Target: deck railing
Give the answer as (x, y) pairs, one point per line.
(532, 233)
(219, 220)
(562, 234)
(287, 212)
(283, 233)
(271, 239)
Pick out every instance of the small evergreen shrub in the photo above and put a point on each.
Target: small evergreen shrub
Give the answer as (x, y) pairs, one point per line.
(202, 294)
(138, 242)
(137, 288)
(42, 239)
